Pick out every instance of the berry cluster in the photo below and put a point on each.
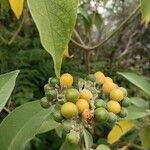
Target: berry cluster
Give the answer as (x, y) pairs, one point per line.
(94, 99)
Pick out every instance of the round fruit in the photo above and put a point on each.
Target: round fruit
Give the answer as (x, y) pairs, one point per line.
(123, 113)
(101, 114)
(44, 102)
(100, 77)
(66, 126)
(51, 94)
(57, 116)
(69, 110)
(72, 138)
(112, 117)
(53, 81)
(125, 102)
(102, 147)
(86, 94)
(108, 79)
(87, 115)
(100, 103)
(116, 95)
(82, 104)
(47, 87)
(113, 106)
(108, 87)
(66, 80)
(91, 77)
(124, 91)
(72, 95)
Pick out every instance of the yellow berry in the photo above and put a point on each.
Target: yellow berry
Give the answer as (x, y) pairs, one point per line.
(113, 106)
(69, 110)
(108, 79)
(86, 94)
(108, 87)
(116, 94)
(82, 105)
(66, 80)
(100, 77)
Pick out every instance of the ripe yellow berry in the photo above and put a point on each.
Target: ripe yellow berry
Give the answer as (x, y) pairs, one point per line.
(116, 94)
(82, 105)
(100, 77)
(66, 80)
(108, 87)
(86, 94)
(113, 106)
(108, 79)
(69, 110)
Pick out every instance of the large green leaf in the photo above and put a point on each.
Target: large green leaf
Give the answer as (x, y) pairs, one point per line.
(145, 137)
(135, 112)
(145, 9)
(137, 80)
(7, 83)
(88, 139)
(48, 124)
(21, 125)
(55, 21)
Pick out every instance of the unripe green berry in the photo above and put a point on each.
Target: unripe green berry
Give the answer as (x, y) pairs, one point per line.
(123, 113)
(53, 81)
(91, 77)
(44, 102)
(72, 138)
(100, 103)
(112, 117)
(66, 126)
(125, 102)
(51, 94)
(57, 116)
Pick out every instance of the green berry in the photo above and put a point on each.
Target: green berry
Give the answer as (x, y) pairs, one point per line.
(91, 77)
(52, 94)
(123, 90)
(47, 87)
(72, 138)
(57, 116)
(102, 147)
(112, 117)
(66, 126)
(72, 95)
(125, 102)
(101, 114)
(100, 103)
(123, 113)
(44, 102)
(53, 81)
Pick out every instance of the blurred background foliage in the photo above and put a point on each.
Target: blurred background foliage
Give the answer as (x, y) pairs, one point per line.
(127, 50)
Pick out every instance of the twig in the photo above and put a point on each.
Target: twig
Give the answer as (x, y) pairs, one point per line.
(17, 31)
(111, 34)
(78, 36)
(3, 39)
(7, 110)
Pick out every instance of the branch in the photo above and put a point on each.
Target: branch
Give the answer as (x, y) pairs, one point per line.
(17, 31)
(78, 36)
(111, 34)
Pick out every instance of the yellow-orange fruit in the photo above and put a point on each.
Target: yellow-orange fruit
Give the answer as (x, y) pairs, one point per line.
(108, 87)
(86, 94)
(108, 79)
(82, 105)
(100, 77)
(113, 106)
(66, 80)
(116, 94)
(87, 115)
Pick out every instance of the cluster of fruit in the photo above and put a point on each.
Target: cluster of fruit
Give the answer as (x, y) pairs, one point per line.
(95, 99)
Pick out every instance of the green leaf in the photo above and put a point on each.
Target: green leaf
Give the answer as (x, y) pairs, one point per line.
(145, 9)
(135, 112)
(7, 83)
(88, 139)
(103, 147)
(21, 125)
(55, 21)
(48, 124)
(59, 130)
(5, 4)
(145, 137)
(137, 80)
(98, 21)
(139, 102)
(67, 146)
